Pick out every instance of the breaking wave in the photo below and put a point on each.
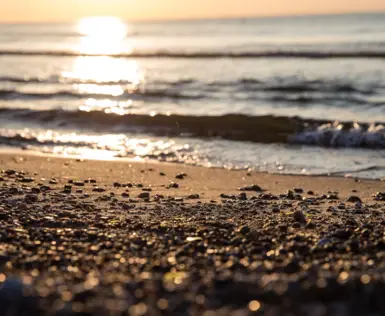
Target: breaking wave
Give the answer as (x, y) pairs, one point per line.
(237, 127)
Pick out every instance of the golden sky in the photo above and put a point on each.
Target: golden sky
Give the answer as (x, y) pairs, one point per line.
(67, 10)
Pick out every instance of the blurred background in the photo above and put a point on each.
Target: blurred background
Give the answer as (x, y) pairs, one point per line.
(109, 87)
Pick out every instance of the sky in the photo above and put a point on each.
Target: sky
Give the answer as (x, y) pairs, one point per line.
(69, 10)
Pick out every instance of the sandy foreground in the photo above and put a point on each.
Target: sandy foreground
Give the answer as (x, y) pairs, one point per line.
(133, 238)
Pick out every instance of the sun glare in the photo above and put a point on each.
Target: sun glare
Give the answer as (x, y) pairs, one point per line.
(103, 27)
(103, 36)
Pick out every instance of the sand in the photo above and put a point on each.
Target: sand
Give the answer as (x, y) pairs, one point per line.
(208, 182)
(133, 238)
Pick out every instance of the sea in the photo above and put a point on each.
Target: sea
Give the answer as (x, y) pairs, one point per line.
(292, 95)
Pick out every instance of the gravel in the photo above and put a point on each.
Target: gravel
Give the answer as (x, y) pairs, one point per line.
(104, 254)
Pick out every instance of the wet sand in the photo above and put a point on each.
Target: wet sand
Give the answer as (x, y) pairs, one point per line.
(133, 238)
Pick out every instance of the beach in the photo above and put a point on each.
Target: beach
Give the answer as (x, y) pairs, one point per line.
(90, 237)
(224, 166)
(294, 95)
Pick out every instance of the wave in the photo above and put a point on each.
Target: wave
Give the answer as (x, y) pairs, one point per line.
(242, 84)
(236, 127)
(375, 54)
(266, 129)
(59, 80)
(12, 94)
(338, 134)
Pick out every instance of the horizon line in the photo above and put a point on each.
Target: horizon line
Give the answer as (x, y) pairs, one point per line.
(161, 20)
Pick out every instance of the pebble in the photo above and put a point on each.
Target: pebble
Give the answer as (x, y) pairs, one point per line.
(98, 189)
(93, 255)
(35, 190)
(353, 199)
(253, 187)
(244, 230)
(27, 180)
(45, 188)
(299, 216)
(181, 176)
(242, 196)
(144, 195)
(332, 197)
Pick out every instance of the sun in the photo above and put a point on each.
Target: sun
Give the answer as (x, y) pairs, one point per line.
(103, 27)
(103, 36)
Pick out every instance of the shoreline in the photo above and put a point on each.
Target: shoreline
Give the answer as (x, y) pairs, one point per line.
(86, 237)
(203, 178)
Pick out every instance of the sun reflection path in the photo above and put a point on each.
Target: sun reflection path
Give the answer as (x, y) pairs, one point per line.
(105, 77)
(105, 70)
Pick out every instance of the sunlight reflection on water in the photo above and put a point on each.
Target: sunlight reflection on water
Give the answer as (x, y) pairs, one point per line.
(104, 75)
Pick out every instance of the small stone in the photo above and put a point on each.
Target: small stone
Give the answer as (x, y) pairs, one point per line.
(35, 190)
(299, 216)
(311, 225)
(253, 187)
(147, 189)
(117, 185)
(193, 196)
(289, 195)
(144, 195)
(45, 188)
(242, 196)
(162, 174)
(310, 192)
(52, 181)
(244, 230)
(98, 189)
(9, 172)
(78, 183)
(125, 195)
(26, 180)
(173, 185)
(275, 210)
(332, 197)
(353, 199)
(181, 176)
(31, 198)
(298, 190)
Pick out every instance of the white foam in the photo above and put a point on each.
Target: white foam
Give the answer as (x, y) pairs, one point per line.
(336, 135)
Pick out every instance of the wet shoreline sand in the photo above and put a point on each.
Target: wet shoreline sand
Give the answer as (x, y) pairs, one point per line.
(133, 238)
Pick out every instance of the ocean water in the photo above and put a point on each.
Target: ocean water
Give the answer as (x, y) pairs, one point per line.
(301, 95)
